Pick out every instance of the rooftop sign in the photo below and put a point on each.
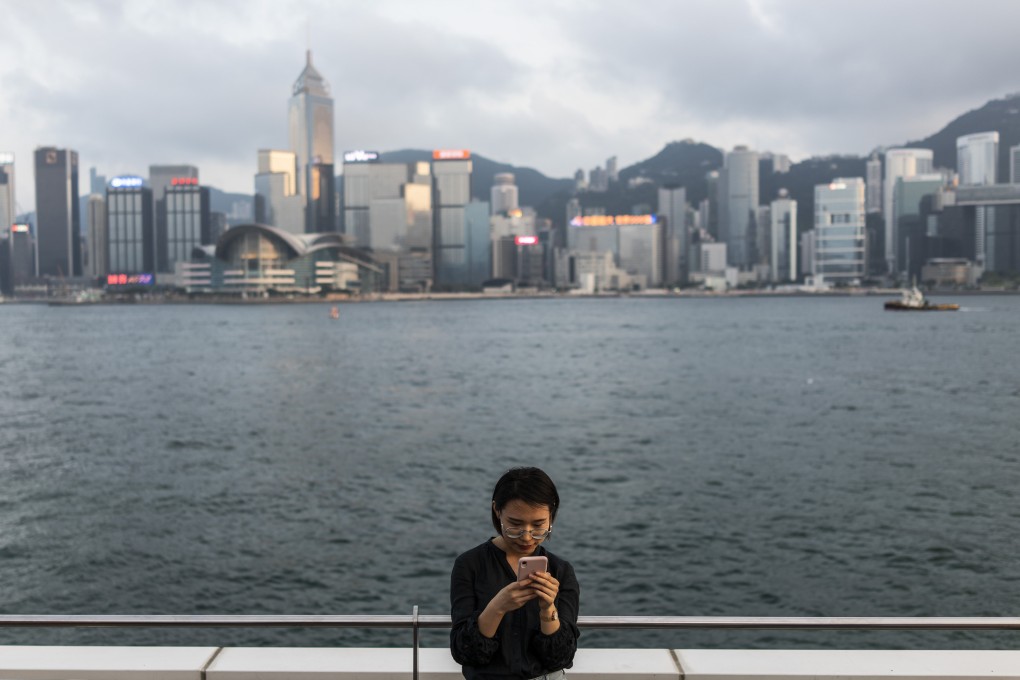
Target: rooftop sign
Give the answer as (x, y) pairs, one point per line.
(525, 240)
(184, 182)
(126, 182)
(451, 155)
(6, 158)
(361, 156)
(19, 229)
(613, 220)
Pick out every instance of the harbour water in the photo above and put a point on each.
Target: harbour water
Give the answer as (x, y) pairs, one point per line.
(734, 456)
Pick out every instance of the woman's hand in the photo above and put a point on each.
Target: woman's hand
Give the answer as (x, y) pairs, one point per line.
(546, 588)
(514, 596)
(510, 598)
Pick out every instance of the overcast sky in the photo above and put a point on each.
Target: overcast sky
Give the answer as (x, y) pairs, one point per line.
(551, 84)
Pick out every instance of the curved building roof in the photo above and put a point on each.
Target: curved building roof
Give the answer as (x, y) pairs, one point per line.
(295, 245)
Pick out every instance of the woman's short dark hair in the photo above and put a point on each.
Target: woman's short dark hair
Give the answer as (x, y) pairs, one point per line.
(528, 484)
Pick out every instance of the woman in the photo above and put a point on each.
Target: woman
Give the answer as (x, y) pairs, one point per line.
(503, 628)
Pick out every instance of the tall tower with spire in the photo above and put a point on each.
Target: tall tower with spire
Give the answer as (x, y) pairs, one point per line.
(311, 140)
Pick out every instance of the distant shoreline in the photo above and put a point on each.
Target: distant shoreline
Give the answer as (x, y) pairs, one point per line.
(442, 297)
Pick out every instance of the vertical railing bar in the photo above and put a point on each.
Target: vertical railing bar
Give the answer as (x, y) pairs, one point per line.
(414, 643)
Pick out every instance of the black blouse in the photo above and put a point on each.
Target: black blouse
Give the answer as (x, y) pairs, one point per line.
(519, 649)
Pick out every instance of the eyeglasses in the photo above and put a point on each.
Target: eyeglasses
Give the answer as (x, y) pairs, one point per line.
(517, 532)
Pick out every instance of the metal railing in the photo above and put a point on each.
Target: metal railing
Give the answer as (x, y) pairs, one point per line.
(417, 622)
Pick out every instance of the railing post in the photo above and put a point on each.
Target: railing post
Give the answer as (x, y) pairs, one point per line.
(414, 642)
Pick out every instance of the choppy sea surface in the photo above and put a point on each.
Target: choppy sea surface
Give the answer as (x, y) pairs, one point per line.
(737, 457)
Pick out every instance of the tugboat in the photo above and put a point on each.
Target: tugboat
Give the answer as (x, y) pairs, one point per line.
(913, 300)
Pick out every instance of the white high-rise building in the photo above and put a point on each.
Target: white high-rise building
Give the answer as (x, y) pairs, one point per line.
(977, 159)
(840, 237)
(738, 204)
(503, 195)
(783, 258)
(900, 163)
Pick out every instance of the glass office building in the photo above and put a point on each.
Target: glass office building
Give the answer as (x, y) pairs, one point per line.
(840, 237)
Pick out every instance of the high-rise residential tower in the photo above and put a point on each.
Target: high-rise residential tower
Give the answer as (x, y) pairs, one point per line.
(311, 140)
(58, 218)
(899, 163)
(738, 205)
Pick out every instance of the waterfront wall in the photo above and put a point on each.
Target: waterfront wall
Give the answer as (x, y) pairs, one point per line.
(273, 663)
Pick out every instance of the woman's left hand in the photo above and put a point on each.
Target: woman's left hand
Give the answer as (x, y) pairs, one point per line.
(547, 589)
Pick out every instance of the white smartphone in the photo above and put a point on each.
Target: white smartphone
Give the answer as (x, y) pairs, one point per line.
(526, 566)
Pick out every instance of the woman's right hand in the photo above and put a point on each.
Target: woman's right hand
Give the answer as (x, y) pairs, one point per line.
(514, 596)
(510, 598)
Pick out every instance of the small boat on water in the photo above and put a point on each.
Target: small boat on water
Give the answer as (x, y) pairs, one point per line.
(913, 300)
(334, 313)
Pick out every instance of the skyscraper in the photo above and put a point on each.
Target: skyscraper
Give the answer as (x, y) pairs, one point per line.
(673, 207)
(58, 221)
(7, 196)
(899, 163)
(977, 158)
(185, 222)
(451, 173)
(783, 238)
(98, 251)
(503, 194)
(873, 184)
(738, 184)
(130, 222)
(311, 139)
(1014, 164)
(840, 241)
(277, 202)
(161, 179)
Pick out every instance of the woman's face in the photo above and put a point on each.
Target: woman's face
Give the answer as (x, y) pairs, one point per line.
(517, 516)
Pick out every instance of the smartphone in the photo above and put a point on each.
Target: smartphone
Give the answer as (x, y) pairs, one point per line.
(526, 566)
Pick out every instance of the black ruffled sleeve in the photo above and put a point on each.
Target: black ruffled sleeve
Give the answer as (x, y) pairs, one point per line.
(467, 644)
(557, 650)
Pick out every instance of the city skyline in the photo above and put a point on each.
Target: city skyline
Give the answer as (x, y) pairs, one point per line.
(553, 87)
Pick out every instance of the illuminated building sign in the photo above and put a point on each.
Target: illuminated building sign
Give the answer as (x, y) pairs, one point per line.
(525, 240)
(361, 156)
(613, 220)
(184, 182)
(130, 279)
(6, 158)
(19, 229)
(126, 182)
(451, 155)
